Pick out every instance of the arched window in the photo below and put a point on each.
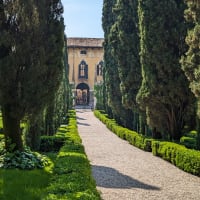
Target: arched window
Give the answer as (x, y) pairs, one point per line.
(83, 70)
(100, 68)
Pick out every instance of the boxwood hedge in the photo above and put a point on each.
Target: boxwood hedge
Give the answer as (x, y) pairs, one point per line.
(72, 177)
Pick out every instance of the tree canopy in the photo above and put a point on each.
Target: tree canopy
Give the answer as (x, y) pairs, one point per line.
(31, 63)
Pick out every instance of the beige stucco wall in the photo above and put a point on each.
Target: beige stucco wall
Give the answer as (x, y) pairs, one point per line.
(92, 58)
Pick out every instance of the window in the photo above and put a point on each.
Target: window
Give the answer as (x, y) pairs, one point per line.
(83, 52)
(83, 70)
(100, 69)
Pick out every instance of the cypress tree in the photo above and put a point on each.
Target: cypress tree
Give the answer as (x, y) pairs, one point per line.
(164, 93)
(30, 73)
(112, 80)
(191, 60)
(124, 38)
(125, 42)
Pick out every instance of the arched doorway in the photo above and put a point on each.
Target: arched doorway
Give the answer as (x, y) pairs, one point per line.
(82, 94)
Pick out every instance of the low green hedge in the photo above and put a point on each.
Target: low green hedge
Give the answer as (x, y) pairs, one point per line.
(186, 159)
(72, 177)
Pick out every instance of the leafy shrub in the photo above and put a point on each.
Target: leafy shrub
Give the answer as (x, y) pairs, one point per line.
(192, 134)
(189, 142)
(186, 159)
(51, 143)
(23, 160)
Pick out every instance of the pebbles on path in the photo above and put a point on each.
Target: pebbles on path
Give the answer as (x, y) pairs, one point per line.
(124, 172)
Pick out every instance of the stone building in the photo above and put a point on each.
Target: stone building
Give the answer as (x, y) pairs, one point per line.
(85, 58)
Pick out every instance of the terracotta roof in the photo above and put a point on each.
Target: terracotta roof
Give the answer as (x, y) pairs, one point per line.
(85, 42)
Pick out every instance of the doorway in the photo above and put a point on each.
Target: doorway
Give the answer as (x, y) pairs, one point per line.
(82, 94)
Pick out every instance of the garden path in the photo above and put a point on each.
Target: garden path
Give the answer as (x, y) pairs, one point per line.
(124, 172)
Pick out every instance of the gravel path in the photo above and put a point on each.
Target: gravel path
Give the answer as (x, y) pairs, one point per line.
(123, 172)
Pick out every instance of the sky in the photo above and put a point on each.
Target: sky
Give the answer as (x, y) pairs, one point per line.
(83, 18)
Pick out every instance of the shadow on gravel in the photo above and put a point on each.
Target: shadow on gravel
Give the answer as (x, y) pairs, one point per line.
(80, 118)
(83, 124)
(110, 178)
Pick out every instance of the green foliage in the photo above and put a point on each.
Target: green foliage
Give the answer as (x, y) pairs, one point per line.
(191, 61)
(186, 159)
(55, 142)
(124, 38)
(189, 142)
(72, 177)
(68, 175)
(124, 42)
(23, 160)
(31, 43)
(113, 98)
(192, 134)
(164, 94)
(1, 137)
(98, 88)
(51, 143)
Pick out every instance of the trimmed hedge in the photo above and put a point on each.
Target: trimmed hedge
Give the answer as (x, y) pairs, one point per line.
(72, 177)
(186, 159)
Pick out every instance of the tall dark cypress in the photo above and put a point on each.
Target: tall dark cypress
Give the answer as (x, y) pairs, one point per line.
(124, 38)
(191, 61)
(112, 80)
(164, 93)
(31, 70)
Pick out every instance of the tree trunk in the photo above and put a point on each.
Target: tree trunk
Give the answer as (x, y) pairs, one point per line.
(11, 128)
(34, 132)
(49, 121)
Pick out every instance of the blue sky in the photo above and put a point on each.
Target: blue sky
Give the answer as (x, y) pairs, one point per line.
(83, 18)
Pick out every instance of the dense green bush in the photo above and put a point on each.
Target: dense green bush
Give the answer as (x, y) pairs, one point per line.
(72, 177)
(189, 142)
(192, 134)
(23, 160)
(186, 159)
(51, 143)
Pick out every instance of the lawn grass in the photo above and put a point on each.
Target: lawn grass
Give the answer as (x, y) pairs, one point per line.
(22, 185)
(18, 184)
